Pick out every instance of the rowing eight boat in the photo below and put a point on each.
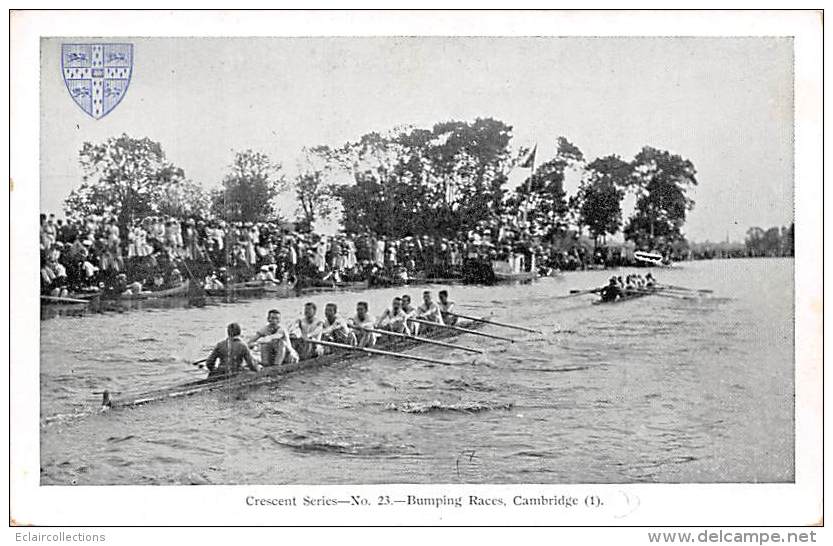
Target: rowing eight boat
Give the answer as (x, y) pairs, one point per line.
(271, 374)
(633, 295)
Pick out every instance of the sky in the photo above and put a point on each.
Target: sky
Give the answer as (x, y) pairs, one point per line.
(724, 103)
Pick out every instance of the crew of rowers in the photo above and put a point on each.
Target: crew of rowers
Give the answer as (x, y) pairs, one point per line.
(632, 284)
(281, 344)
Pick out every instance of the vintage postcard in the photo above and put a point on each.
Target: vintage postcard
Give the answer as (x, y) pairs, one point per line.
(416, 268)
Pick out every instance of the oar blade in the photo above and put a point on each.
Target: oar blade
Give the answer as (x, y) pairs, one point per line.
(496, 323)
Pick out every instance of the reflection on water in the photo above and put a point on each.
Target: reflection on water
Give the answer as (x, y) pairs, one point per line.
(652, 390)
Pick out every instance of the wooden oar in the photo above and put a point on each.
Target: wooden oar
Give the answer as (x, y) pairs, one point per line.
(704, 290)
(688, 293)
(496, 323)
(61, 299)
(661, 294)
(380, 352)
(462, 330)
(417, 338)
(576, 292)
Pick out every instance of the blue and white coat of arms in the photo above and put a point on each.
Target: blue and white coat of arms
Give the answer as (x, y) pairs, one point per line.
(97, 75)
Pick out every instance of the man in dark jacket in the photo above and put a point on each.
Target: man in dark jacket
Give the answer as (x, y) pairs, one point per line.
(231, 353)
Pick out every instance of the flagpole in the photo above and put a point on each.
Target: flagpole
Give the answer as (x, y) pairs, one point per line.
(529, 180)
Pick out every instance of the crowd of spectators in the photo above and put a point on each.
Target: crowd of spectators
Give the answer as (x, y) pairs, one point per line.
(154, 253)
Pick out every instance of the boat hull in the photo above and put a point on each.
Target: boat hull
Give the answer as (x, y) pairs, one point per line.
(180, 290)
(627, 297)
(515, 277)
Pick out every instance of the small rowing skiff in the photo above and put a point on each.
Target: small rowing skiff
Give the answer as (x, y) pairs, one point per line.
(181, 290)
(235, 291)
(272, 374)
(254, 288)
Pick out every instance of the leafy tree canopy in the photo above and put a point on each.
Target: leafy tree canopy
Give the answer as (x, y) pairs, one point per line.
(130, 178)
(249, 189)
(661, 180)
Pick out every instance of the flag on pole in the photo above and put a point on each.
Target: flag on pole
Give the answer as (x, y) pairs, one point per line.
(529, 161)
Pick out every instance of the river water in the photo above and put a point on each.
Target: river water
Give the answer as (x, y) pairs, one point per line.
(657, 389)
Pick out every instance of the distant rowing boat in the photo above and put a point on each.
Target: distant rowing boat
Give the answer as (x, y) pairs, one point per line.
(253, 288)
(271, 374)
(235, 291)
(340, 285)
(180, 290)
(641, 293)
(650, 259)
(523, 276)
(278, 290)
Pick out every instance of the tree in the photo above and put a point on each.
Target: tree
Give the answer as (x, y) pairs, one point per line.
(186, 198)
(772, 242)
(125, 177)
(414, 181)
(542, 196)
(775, 241)
(788, 239)
(755, 241)
(375, 200)
(599, 199)
(469, 165)
(313, 187)
(660, 182)
(249, 190)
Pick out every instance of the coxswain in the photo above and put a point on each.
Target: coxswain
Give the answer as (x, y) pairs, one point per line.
(611, 291)
(394, 318)
(335, 329)
(446, 306)
(361, 322)
(275, 346)
(429, 310)
(308, 327)
(231, 354)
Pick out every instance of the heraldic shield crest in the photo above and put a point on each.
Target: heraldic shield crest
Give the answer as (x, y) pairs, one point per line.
(97, 75)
